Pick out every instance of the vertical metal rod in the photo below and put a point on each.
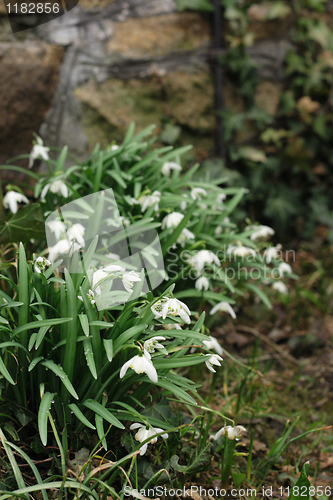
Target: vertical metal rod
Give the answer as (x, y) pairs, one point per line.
(220, 148)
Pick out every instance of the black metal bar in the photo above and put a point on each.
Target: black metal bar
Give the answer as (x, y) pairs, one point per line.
(219, 101)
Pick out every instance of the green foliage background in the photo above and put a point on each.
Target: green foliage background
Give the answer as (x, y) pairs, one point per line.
(287, 161)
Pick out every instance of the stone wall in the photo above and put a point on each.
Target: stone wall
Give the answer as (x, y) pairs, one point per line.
(83, 77)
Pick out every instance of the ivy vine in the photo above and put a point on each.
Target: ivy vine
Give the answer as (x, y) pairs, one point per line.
(286, 160)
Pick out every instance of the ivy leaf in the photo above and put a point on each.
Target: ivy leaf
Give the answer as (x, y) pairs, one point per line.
(250, 153)
(278, 10)
(27, 223)
(161, 411)
(198, 460)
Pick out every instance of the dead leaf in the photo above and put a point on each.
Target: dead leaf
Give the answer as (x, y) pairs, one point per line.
(326, 460)
(307, 105)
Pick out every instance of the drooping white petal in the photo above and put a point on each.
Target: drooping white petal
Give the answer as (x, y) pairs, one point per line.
(212, 343)
(223, 307)
(169, 166)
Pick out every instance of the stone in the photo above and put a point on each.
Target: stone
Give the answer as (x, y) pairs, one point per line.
(158, 36)
(268, 96)
(186, 99)
(26, 89)
(269, 56)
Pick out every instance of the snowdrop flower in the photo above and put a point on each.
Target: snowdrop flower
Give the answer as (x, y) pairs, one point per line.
(114, 147)
(272, 253)
(38, 151)
(196, 193)
(12, 198)
(57, 227)
(220, 198)
(62, 246)
(261, 232)
(96, 278)
(212, 343)
(168, 166)
(213, 360)
(148, 200)
(233, 432)
(172, 220)
(218, 230)
(124, 221)
(174, 307)
(203, 257)
(172, 326)
(184, 236)
(201, 283)
(240, 250)
(151, 344)
(113, 268)
(40, 264)
(284, 268)
(140, 364)
(129, 279)
(144, 433)
(280, 287)
(55, 187)
(183, 204)
(224, 307)
(76, 232)
(90, 295)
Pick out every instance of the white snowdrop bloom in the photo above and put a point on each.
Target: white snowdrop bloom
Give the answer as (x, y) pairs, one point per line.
(280, 287)
(218, 230)
(40, 264)
(212, 343)
(272, 253)
(172, 326)
(184, 236)
(90, 295)
(233, 432)
(140, 364)
(124, 221)
(114, 147)
(197, 193)
(261, 232)
(151, 344)
(173, 307)
(12, 198)
(38, 151)
(220, 198)
(55, 187)
(149, 200)
(203, 257)
(284, 268)
(143, 434)
(183, 204)
(168, 166)
(62, 246)
(112, 256)
(172, 220)
(113, 268)
(240, 250)
(57, 227)
(129, 279)
(223, 307)
(96, 278)
(213, 360)
(76, 232)
(201, 283)
(226, 220)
